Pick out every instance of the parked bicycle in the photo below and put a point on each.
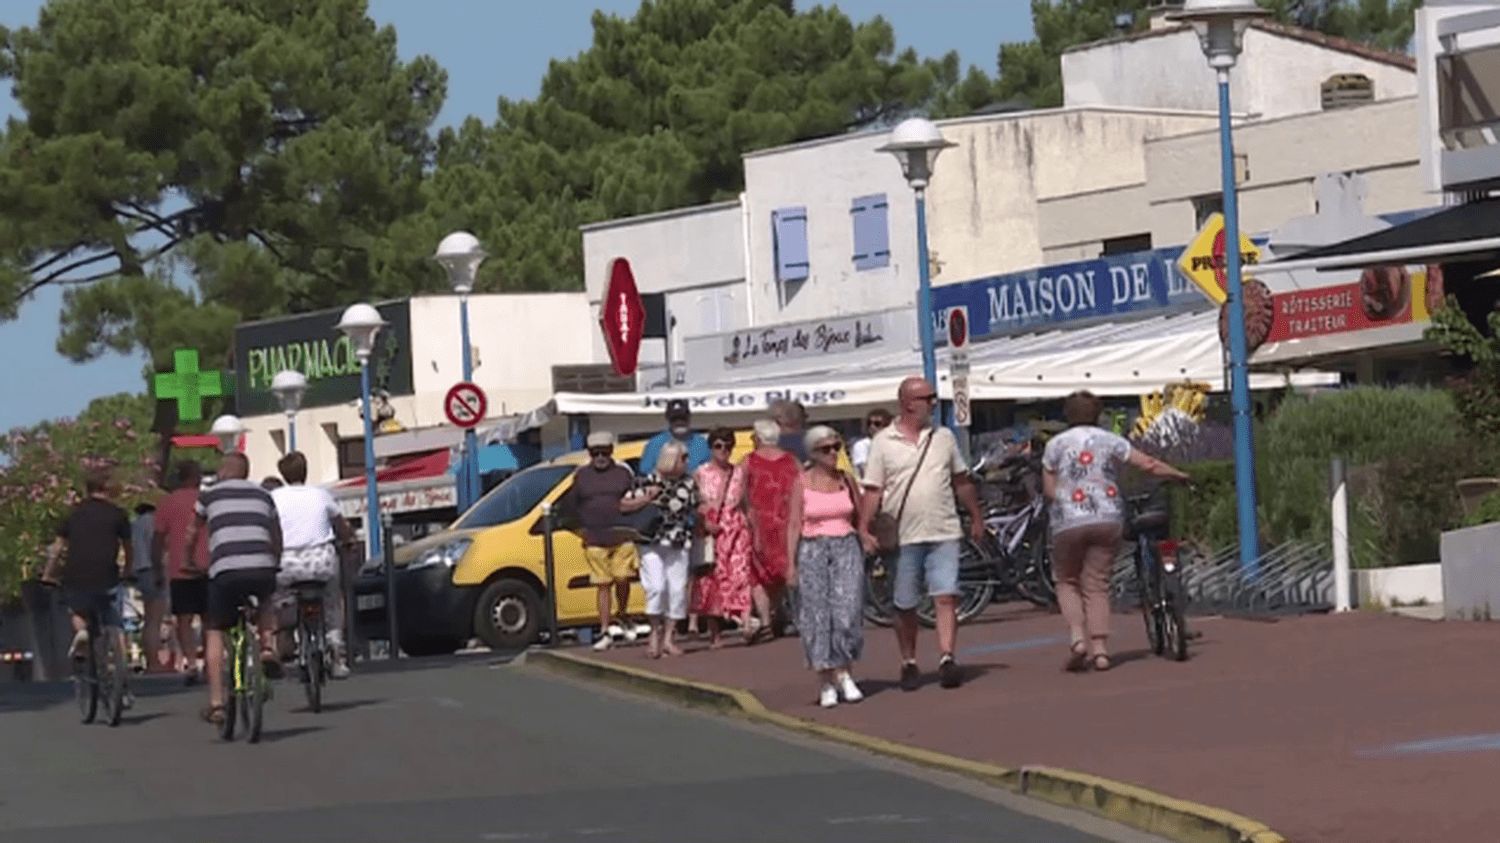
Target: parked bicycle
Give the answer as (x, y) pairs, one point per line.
(314, 658)
(248, 688)
(1158, 577)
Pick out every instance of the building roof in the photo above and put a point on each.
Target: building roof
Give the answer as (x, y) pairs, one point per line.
(1296, 33)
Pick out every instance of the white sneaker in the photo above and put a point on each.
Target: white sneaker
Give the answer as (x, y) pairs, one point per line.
(603, 643)
(80, 646)
(614, 631)
(632, 632)
(849, 690)
(829, 697)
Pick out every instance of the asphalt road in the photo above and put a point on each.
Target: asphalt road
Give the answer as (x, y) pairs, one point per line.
(466, 750)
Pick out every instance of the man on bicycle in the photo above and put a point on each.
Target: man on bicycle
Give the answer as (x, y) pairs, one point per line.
(93, 537)
(310, 521)
(244, 551)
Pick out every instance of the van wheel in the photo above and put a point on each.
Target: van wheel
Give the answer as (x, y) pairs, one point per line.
(508, 615)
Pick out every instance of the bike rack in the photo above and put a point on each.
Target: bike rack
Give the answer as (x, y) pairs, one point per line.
(1291, 578)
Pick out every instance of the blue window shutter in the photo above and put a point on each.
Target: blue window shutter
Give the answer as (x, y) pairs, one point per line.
(789, 231)
(872, 243)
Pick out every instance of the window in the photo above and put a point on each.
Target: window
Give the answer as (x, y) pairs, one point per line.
(1205, 207)
(872, 240)
(1127, 244)
(518, 495)
(789, 235)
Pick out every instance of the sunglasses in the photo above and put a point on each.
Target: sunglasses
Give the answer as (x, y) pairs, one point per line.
(601, 452)
(722, 446)
(878, 425)
(929, 397)
(831, 448)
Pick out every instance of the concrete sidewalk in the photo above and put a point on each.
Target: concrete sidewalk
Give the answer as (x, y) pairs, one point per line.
(1359, 727)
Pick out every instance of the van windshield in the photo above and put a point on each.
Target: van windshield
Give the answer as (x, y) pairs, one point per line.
(518, 495)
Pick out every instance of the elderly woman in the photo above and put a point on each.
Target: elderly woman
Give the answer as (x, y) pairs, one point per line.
(664, 555)
(724, 592)
(829, 568)
(771, 478)
(1080, 478)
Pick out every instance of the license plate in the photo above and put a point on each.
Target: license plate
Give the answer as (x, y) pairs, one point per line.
(370, 601)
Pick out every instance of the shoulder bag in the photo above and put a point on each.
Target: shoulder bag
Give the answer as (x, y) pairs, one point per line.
(887, 529)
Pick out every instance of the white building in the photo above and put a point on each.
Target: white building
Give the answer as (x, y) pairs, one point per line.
(516, 340)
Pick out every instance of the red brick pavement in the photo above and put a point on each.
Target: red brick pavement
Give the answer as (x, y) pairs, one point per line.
(1294, 723)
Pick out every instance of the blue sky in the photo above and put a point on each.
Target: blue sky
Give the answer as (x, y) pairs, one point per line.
(489, 50)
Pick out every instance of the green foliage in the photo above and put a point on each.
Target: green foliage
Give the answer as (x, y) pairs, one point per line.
(41, 475)
(1476, 393)
(1031, 70)
(657, 113)
(1205, 512)
(1487, 512)
(270, 147)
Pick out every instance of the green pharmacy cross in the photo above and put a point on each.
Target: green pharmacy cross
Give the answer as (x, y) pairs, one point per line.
(188, 386)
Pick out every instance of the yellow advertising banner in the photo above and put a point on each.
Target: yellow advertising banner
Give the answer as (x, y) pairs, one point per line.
(1203, 260)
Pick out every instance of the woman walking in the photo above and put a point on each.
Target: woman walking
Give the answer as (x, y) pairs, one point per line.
(664, 556)
(1080, 478)
(771, 477)
(725, 591)
(829, 568)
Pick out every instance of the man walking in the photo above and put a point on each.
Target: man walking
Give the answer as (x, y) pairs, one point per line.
(599, 500)
(679, 429)
(876, 420)
(791, 416)
(185, 564)
(244, 548)
(914, 473)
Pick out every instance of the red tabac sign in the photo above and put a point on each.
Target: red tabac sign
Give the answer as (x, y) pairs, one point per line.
(623, 318)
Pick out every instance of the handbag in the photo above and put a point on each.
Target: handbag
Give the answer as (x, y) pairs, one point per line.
(887, 529)
(705, 566)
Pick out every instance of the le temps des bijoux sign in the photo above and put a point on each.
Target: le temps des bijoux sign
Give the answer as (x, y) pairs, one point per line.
(312, 344)
(821, 338)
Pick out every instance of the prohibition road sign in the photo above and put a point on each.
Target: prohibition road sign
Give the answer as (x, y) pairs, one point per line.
(464, 405)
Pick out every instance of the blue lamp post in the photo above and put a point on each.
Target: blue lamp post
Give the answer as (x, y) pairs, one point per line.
(460, 254)
(289, 386)
(916, 143)
(361, 323)
(1221, 25)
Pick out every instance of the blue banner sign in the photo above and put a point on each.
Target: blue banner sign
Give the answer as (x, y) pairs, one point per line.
(1092, 290)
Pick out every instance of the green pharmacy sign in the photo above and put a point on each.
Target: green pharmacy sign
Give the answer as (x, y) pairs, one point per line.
(187, 385)
(312, 344)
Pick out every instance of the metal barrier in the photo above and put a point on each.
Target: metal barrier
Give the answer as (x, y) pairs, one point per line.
(1292, 578)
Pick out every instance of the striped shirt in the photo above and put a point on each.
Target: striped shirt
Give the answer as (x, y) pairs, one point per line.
(241, 526)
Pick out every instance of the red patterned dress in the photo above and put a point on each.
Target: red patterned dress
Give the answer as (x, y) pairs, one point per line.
(769, 482)
(725, 593)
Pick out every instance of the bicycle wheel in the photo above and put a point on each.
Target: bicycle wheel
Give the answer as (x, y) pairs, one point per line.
(880, 581)
(1145, 565)
(86, 684)
(1036, 585)
(112, 674)
(1174, 621)
(310, 648)
(256, 691)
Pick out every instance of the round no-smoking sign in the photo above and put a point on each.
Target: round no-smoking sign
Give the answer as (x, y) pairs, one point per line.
(464, 405)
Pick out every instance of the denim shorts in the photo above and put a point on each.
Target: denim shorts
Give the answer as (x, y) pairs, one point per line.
(935, 562)
(105, 603)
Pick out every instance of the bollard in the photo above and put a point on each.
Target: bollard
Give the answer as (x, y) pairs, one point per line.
(1339, 509)
(389, 549)
(549, 562)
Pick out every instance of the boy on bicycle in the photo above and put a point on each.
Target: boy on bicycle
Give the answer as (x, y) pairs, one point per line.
(244, 550)
(87, 551)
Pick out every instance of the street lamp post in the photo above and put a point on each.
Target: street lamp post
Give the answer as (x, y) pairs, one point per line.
(228, 429)
(361, 323)
(289, 386)
(1221, 25)
(460, 254)
(916, 143)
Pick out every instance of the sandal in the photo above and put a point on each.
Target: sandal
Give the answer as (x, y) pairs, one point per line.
(1101, 663)
(1078, 659)
(213, 714)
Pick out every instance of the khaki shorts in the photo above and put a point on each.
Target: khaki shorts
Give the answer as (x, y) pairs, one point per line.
(611, 564)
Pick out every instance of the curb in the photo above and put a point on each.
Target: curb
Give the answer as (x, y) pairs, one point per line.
(1127, 804)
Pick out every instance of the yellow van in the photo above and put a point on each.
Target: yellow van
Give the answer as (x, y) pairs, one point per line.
(484, 576)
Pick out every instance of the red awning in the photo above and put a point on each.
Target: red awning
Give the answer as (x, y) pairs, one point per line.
(408, 467)
(202, 440)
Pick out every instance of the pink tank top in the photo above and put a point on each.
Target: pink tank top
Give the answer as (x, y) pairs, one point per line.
(826, 514)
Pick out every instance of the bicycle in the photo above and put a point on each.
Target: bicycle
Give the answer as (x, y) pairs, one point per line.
(99, 674)
(1158, 577)
(248, 688)
(314, 659)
